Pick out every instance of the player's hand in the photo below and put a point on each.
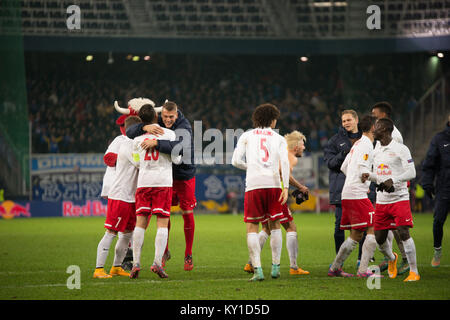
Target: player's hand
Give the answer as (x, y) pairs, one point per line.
(153, 129)
(148, 144)
(389, 185)
(283, 196)
(304, 189)
(364, 177)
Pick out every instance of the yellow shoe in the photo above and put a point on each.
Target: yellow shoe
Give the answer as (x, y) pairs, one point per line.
(101, 274)
(118, 271)
(392, 267)
(249, 268)
(412, 277)
(297, 271)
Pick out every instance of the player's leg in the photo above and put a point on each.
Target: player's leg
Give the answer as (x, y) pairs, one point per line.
(189, 228)
(276, 244)
(339, 235)
(166, 255)
(162, 223)
(410, 250)
(292, 247)
(368, 250)
(142, 221)
(254, 250)
(404, 266)
(120, 252)
(263, 235)
(440, 215)
(186, 193)
(102, 253)
(344, 251)
(385, 248)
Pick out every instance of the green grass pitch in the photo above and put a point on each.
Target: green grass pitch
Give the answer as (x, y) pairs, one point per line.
(35, 254)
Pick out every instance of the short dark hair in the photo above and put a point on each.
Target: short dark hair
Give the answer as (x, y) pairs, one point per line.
(170, 106)
(387, 124)
(129, 121)
(367, 122)
(384, 106)
(264, 114)
(147, 113)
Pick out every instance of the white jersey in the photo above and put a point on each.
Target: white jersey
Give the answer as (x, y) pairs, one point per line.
(110, 172)
(394, 162)
(155, 169)
(358, 161)
(125, 181)
(264, 150)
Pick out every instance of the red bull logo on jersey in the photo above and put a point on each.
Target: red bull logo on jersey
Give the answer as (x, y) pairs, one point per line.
(384, 170)
(10, 210)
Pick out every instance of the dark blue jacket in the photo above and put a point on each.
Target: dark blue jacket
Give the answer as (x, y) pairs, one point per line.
(334, 155)
(183, 171)
(437, 165)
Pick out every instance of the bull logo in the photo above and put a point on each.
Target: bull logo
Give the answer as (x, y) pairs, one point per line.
(10, 209)
(384, 170)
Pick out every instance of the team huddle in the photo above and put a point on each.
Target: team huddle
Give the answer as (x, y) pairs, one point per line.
(144, 179)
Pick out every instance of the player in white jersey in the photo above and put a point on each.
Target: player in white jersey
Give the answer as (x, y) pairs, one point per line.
(296, 145)
(357, 210)
(394, 167)
(265, 191)
(110, 159)
(383, 110)
(121, 215)
(153, 194)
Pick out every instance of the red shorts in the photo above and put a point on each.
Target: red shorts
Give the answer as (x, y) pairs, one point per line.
(262, 204)
(393, 215)
(120, 215)
(184, 194)
(357, 214)
(153, 200)
(287, 215)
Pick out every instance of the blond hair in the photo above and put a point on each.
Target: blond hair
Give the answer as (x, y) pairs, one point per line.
(350, 111)
(294, 138)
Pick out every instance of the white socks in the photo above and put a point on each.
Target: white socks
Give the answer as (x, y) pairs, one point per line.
(276, 243)
(103, 249)
(160, 244)
(346, 248)
(121, 248)
(410, 251)
(386, 249)
(368, 249)
(254, 249)
(138, 241)
(292, 248)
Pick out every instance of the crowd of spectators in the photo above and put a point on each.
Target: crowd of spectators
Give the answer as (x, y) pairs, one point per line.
(71, 100)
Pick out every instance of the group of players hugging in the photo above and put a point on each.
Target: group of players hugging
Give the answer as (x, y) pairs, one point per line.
(143, 178)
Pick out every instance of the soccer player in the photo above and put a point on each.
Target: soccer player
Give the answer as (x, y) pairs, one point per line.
(183, 173)
(357, 210)
(437, 165)
(393, 167)
(264, 150)
(383, 110)
(153, 194)
(121, 215)
(296, 145)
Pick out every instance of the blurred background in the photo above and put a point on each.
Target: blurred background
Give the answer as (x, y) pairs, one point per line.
(62, 69)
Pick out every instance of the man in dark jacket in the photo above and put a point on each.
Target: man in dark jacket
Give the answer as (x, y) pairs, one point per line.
(334, 155)
(183, 173)
(437, 165)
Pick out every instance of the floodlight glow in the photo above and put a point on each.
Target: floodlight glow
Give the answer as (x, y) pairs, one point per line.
(147, 58)
(440, 55)
(304, 59)
(89, 58)
(136, 58)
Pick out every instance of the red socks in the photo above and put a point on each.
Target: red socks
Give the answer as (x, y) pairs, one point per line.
(189, 227)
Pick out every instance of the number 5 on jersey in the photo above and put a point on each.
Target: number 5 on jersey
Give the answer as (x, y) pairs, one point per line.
(263, 147)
